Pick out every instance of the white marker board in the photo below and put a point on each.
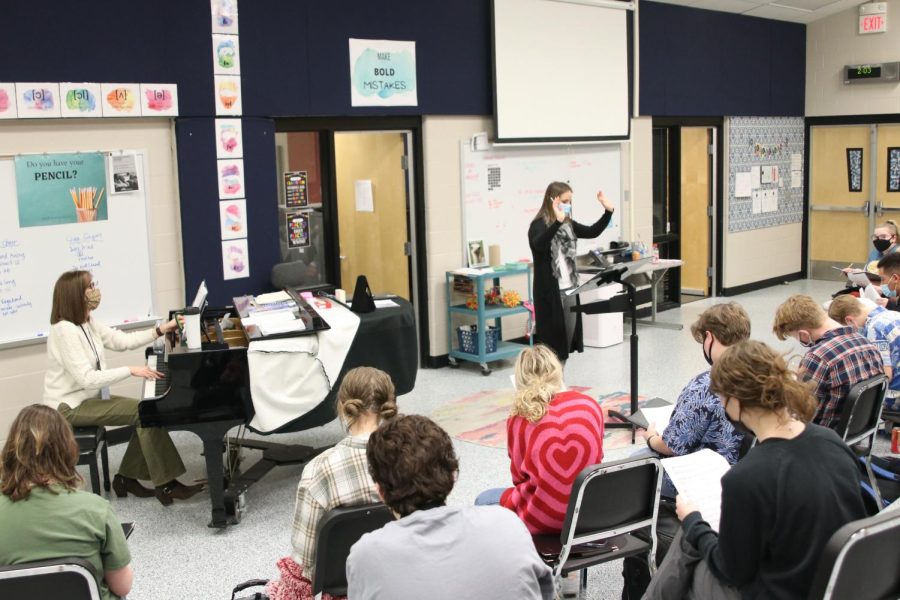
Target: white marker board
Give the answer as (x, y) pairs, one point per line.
(116, 251)
(502, 190)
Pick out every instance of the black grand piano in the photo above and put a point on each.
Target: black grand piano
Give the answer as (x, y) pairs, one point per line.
(207, 392)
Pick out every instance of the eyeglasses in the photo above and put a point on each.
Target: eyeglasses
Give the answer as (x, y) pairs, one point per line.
(881, 237)
(94, 284)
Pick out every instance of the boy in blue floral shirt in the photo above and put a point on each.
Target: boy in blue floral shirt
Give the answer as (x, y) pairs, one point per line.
(882, 328)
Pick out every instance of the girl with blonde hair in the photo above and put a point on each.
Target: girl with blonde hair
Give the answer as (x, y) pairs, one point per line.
(780, 503)
(552, 434)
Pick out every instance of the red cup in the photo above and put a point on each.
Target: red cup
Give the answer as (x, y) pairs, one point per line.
(895, 440)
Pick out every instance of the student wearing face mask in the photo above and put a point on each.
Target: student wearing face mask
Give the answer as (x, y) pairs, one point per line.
(882, 328)
(838, 356)
(884, 243)
(780, 504)
(552, 236)
(77, 385)
(889, 270)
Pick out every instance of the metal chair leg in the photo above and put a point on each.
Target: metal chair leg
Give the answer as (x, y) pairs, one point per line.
(873, 482)
(95, 474)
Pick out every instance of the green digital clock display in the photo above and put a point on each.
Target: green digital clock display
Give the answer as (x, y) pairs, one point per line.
(864, 72)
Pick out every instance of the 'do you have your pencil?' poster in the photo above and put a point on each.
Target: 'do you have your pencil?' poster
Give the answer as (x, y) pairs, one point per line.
(55, 189)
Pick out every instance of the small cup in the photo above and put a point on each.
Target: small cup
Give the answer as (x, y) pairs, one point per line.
(192, 327)
(340, 296)
(86, 215)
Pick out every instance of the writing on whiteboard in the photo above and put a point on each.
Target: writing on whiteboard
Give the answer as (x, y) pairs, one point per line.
(84, 249)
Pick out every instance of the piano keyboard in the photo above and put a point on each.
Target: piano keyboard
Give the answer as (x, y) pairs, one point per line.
(154, 388)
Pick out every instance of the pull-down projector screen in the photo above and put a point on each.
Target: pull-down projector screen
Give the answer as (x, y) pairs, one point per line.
(562, 71)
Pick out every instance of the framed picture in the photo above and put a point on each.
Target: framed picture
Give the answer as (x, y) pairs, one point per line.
(477, 254)
(893, 172)
(854, 169)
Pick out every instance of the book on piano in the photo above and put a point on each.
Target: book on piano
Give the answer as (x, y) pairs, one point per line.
(283, 318)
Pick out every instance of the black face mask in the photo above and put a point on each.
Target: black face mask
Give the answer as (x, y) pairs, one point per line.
(707, 355)
(881, 245)
(739, 427)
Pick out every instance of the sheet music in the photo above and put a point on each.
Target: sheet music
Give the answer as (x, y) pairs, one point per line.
(660, 415)
(698, 477)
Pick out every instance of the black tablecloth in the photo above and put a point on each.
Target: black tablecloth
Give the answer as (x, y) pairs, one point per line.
(386, 340)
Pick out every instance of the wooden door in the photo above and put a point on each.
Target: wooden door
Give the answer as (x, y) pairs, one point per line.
(888, 203)
(373, 236)
(695, 203)
(840, 225)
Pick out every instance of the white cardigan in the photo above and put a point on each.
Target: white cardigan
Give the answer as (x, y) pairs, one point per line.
(72, 374)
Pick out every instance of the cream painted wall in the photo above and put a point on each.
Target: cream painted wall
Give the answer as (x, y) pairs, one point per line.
(834, 42)
(22, 369)
(761, 254)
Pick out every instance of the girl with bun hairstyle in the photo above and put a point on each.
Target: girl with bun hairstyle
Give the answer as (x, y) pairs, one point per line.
(337, 477)
(780, 503)
(552, 434)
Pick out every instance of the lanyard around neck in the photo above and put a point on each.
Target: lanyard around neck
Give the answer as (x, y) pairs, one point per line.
(91, 342)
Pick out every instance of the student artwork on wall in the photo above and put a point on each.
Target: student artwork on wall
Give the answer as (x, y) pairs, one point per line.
(235, 259)
(224, 16)
(297, 229)
(228, 95)
(79, 100)
(226, 54)
(37, 100)
(159, 99)
(233, 219)
(231, 179)
(8, 101)
(121, 99)
(854, 169)
(383, 73)
(893, 169)
(229, 140)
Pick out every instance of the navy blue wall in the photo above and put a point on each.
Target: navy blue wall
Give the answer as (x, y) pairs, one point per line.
(705, 63)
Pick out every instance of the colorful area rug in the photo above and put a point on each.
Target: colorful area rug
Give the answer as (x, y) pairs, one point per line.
(481, 418)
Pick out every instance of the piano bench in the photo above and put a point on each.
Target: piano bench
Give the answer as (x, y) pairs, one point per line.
(90, 441)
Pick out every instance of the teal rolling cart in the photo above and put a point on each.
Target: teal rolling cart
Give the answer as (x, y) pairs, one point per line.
(483, 316)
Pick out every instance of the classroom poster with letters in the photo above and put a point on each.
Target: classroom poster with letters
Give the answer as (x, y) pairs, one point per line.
(235, 259)
(121, 99)
(383, 73)
(8, 101)
(229, 138)
(159, 99)
(233, 219)
(228, 95)
(37, 100)
(297, 225)
(224, 16)
(54, 189)
(79, 100)
(226, 54)
(231, 179)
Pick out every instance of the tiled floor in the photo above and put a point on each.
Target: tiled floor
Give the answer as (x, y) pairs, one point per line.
(176, 556)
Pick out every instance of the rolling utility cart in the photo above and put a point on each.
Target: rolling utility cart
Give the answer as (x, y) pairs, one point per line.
(485, 343)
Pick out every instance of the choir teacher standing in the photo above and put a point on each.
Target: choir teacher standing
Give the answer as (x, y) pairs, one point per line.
(552, 236)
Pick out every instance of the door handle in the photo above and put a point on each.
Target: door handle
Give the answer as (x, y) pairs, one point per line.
(342, 257)
(883, 209)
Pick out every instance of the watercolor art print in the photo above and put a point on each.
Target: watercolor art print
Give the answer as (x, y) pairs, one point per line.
(382, 73)
(229, 139)
(80, 100)
(235, 259)
(228, 95)
(121, 99)
(224, 16)
(8, 101)
(233, 219)
(37, 100)
(231, 179)
(159, 99)
(226, 54)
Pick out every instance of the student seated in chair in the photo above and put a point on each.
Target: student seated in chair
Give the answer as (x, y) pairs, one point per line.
(433, 550)
(780, 503)
(44, 514)
(838, 356)
(337, 477)
(882, 328)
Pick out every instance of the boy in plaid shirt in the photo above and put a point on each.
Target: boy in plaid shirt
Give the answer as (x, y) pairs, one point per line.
(838, 356)
(882, 328)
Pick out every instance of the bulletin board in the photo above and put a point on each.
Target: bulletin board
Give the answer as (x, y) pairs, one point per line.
(502, 190)
(115, 250)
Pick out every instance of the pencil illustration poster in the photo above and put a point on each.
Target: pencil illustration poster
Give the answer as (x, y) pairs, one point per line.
(54, 189)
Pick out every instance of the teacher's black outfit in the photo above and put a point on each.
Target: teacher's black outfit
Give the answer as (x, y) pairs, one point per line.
(550, 320)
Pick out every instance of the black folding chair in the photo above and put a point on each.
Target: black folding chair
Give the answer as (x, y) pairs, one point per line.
(338, 530)
(59, 578)
(861, 560)
(608, 502)
(859, 420)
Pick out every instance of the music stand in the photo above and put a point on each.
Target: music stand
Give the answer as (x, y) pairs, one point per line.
(626, 302)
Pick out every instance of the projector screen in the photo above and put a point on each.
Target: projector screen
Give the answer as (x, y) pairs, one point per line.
(562, 71)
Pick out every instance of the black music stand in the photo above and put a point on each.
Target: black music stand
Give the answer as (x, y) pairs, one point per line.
(626, 303)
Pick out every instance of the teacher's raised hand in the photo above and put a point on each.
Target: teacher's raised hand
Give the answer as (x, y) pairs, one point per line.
(558, 211)
(607, 205)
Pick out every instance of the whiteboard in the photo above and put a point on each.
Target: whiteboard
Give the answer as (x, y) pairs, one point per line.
(116, 251)
(502, 190)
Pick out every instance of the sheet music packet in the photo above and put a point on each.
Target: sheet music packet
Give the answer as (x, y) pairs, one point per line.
(698, 477)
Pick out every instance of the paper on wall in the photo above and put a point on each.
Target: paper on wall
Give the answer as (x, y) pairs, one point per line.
(698, 477)
(796, 161)
(754, 177)
(364, 199)
(757, 202)
(742, 185)
(796, 180)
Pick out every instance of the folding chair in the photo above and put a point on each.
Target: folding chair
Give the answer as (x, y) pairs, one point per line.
(59, 578)
(338, 530)
(860, 561)
(859, 422)
(607, 503)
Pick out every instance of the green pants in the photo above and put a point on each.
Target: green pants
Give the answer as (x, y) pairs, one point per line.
(150, 455)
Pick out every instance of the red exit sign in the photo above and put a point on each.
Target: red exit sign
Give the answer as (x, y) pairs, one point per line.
(872, 23)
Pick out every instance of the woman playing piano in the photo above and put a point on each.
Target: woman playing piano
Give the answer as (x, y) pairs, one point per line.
(77, 384)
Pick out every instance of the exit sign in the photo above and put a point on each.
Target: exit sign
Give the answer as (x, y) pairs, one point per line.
(872, 23)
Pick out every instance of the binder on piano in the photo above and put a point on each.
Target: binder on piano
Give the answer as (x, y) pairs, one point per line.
(286, 318)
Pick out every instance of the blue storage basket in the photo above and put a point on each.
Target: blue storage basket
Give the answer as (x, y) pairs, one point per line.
(468, 339)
